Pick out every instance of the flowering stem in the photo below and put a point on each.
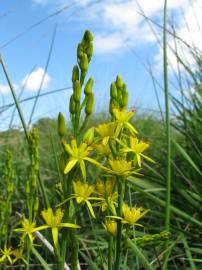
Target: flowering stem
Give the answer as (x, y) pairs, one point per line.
(121, 192)
(110, 252)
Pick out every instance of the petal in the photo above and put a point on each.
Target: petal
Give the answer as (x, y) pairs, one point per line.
(83, 169)
(70, 165)
(69, 225)
(90, 208)
(55, 235)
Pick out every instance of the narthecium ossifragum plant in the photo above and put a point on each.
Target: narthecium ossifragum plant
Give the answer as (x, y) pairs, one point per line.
(117, 153)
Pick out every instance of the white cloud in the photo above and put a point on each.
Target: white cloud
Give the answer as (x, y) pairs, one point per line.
(189, 32)
(4, 89)
(32, 81)
(41, 2)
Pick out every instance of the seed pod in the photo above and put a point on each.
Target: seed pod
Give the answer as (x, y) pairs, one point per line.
(89, 86)
(89, 136)
(61, 125)
(89, 104)
(119, 82)
(72, 104)
(77, 91)
(113, 91)
(88, 36)
(80, 50)
(84, 62)
(75, 73)
(89, 50)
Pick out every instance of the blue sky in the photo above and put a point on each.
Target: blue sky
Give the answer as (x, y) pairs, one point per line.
(124, 44)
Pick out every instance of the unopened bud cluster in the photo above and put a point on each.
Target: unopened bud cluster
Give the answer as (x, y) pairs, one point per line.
(118, 95)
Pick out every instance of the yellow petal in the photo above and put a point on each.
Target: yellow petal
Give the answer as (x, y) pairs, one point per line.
(69, 225)
(70, 165)
(55, 235)
(83, 169)
(90, 209)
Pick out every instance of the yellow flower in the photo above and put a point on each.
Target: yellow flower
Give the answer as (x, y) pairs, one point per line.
(111, 227)
(103, 149)
(137, 147)
(106, 131)
(18, 254)
(121, 167)
(6, 255)
(28, 228)
(78, 154)
(105, 191)
(54, 221)
(122, 119)
(82, 193)
(132, 215)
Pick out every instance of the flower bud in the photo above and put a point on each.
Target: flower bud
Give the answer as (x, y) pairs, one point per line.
(89, 104)
(89, 136)
(62, 162)
(88, 36)
(72, 105)
(124, 96)
(111, 106)
(77, 91)
(61, 125)
(119, 82)
(89, 50)
(84, 62)
(89, 86)
(80, 50)
(125, 99)
(36, 205)
(113, 91)
(75, 73)
(27, 187)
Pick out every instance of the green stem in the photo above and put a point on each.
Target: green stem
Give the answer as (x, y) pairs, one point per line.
(110, 252)
(14, 97)
(121, 192)
(168, 141)
(140, 255)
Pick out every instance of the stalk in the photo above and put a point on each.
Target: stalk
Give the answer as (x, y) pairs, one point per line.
(121, 192)
(110, 252)
(168, 140)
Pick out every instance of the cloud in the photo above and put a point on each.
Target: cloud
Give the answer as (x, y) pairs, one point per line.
(4, 89)
(190, 38)
(32, 81)
(41, 2)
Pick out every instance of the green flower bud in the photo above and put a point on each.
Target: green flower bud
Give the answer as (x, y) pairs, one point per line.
(72, 104)
(89, 50)
(111, 106)
(75, 73)
(84, 63)
(89, 86)
(27, 187)
(77, 91)
(77, 107)
(125, 99)
(88, 36)
(36, 205)
(61, 125)
(34, 181)
(113, 91)
(63, 162)
(89, 104)
(89, 136)
(119, 82)
(80, 51)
